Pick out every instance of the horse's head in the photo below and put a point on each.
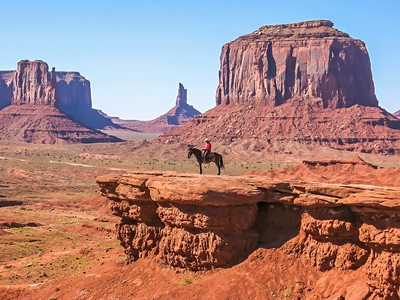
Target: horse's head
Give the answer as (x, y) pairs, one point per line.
(189, 152)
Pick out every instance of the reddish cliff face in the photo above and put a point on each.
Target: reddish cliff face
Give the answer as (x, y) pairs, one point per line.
(33, 84)
(303, 83)
(39, 106)
(202, 222)
(72, 92)
(309, 60)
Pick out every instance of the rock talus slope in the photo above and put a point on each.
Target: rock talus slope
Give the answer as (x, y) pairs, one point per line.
(202, 222)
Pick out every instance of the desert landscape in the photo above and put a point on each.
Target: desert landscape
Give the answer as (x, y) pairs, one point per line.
(307, 206)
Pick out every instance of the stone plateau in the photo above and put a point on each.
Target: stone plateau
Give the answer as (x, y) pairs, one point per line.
(203, 222)
(309, 60)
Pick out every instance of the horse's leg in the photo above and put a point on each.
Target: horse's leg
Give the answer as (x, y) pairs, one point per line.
(218, 166)
(201, 170)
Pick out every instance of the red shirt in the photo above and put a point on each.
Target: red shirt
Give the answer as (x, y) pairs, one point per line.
(207, 146)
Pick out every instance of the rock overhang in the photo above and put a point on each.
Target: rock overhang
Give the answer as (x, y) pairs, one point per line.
(204, 222)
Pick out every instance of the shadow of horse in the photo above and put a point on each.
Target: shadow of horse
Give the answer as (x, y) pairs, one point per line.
(211, 157)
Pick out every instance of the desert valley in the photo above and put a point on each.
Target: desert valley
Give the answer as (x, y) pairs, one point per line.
(307, 206)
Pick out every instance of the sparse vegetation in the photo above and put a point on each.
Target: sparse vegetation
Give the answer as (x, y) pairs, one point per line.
(185, 281)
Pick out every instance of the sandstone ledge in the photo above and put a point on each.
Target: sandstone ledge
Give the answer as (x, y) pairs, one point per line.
(202, 222)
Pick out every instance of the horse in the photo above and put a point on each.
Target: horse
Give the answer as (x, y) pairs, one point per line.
(211, 157)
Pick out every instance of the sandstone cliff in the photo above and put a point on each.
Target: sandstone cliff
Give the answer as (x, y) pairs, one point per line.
(307, 60)
(203, 222)
(33, 84)
(39, 106)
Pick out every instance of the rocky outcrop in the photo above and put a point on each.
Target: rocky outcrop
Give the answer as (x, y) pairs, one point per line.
(308, 60)
(303, 83)
(72, 92)
(74, 98)
(181, 113)
(33, 84)
(6, 87)
(397, 114)
(202, 222)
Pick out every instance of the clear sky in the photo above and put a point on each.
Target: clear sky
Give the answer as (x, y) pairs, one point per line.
(136, 52)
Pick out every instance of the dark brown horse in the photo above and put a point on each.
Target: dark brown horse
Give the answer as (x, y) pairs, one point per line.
(211, 157)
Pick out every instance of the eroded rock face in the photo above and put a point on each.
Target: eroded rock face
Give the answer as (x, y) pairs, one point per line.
(303, 83)
(202, 222)
(33, 84)
(307, 60)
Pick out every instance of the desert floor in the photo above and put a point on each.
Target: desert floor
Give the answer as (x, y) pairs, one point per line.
(57, 237)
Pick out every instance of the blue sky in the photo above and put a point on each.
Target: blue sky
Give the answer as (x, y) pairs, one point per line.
(136, 52)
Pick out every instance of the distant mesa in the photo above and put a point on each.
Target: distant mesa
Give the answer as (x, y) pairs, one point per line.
(181, 113)
(48, 107)
(306, 83)
(32, 83)
(397, 114)
(307, 60)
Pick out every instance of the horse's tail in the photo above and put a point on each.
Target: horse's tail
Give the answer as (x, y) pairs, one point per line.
(222, 162)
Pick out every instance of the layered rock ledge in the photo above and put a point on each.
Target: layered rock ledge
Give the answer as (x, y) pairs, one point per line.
(202, 222)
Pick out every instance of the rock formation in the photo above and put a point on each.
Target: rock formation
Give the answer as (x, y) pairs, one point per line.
(308, 60)
(202, 222)
(37, 106)
(304, 83)
(6, 87)
(180, 113)
(33, 84)
(176, 116)
(397, 114)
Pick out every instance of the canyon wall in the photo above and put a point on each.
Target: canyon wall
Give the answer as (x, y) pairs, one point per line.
(310, 60)
(203, 222)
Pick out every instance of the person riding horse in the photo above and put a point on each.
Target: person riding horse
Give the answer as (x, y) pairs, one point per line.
(206, 149)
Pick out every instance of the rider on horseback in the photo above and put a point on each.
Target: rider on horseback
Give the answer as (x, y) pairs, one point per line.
(206, 149)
